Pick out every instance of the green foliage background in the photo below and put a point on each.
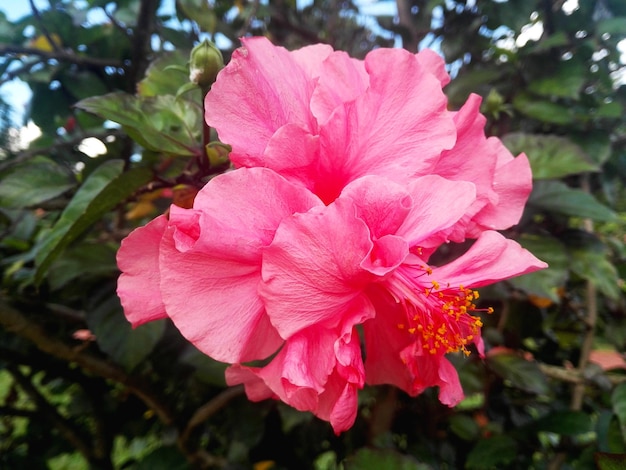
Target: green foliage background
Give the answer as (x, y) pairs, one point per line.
(80, 389)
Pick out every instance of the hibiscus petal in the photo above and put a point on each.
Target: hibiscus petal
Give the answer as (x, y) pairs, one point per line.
(311, 271)
(138, 286)
(261, 89)
(492, 258)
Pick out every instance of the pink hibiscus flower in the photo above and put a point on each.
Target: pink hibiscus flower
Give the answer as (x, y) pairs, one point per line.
(261, 269)
(322, 119)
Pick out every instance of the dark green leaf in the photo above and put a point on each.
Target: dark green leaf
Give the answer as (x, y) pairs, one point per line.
(557, 197)
(588, 259)
(495, 452)
(565, 423)
(163, 458)
(618, 400)
(464, 426)
(84, 260)
(104, 189)
(376, 459)
(115, 336)
(521, 373)
(34, 183)
(613, 26)
(159, 123)
(546, 282)
(550, 156)
(564, 82)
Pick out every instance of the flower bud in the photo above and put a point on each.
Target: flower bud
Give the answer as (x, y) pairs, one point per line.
(205, 62)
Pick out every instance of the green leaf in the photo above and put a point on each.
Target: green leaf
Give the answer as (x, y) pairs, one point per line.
(565, 423)
(115, 336)
(546, 282)
(164, 76)
(494, 452)
(564, 82)
(521, 373)
(543, 110)
(105, 188)
(614, 26)
(208, 370)
(550, 156)
(589, 260)
(597, 145)
(610, 461)
(86, 259)
(618, 400)
(464, 426)
(33, 183)
(159, 123)
(163, 458)
(376, 459)
(557, 197)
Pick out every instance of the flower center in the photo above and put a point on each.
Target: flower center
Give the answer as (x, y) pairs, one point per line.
(438, 317)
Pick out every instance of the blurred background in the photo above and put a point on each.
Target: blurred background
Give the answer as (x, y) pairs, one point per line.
(80, 389)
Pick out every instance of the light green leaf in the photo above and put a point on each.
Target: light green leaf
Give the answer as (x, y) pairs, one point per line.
(128, 346)
(550, 156)
(34, 183)
(159, 123)
(557, 197)
(106, 187)
(614, 26)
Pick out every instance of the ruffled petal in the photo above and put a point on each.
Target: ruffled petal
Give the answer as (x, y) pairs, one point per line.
(435, 64)
(491, 259)
(311, 271)
(512, 184)
(262, 88)
(210, 262)
(397, 128)
(203, 293)
(342, 80)
(382, 204)
(438, 204)
(138, 286)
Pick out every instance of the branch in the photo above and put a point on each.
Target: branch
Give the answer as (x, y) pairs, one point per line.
(26, 154)
(66, 428)
(576, 376)
(61, 56)
(43, 27)
(13, 321)
(209, 409)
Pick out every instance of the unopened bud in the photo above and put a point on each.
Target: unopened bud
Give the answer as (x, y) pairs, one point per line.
(204, 63)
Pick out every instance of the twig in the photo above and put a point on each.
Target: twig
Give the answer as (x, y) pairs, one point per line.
(26, 154)
(43, 27)
(67, 429)
(61, 56)
(13, 321)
